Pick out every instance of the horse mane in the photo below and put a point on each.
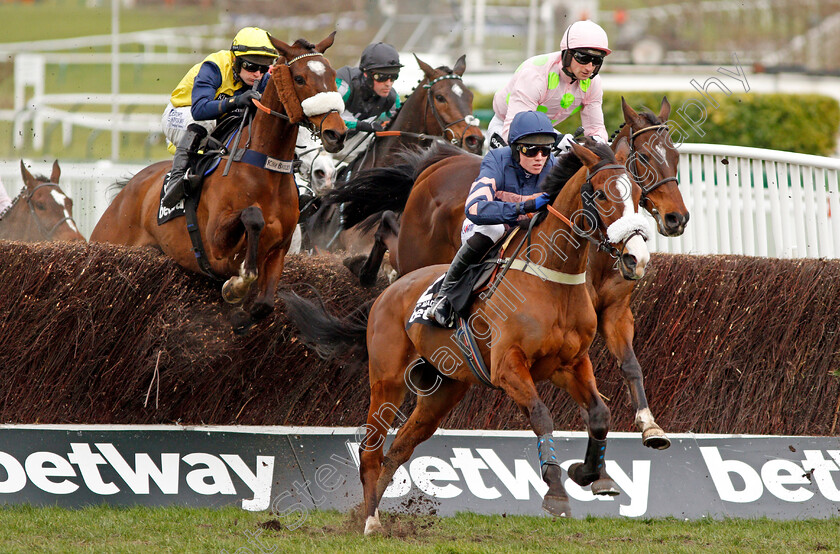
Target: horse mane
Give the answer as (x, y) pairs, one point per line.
(119, 184)
(568, 164)
(303, 43)
(420, 158)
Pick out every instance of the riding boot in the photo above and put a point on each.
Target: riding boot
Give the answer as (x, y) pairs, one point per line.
(176, 188)
(469, 254)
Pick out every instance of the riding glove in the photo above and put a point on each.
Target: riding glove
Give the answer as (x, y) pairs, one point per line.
(368, 126)
(244, 100)
(565, 143)
(535, 204)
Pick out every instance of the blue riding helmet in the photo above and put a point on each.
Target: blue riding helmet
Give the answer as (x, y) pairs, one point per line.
(532, 128)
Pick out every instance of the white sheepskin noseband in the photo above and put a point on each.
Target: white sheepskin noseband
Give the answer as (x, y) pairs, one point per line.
(322, 103)
(624, 227)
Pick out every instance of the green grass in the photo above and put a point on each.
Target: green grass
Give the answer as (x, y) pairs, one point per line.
(102, 529)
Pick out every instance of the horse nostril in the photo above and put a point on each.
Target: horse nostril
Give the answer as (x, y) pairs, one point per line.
(629, 261)
(674, 221)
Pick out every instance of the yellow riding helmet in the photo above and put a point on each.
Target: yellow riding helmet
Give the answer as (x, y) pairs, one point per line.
(253, 41)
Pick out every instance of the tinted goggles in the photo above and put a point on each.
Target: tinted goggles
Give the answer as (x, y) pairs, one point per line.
(530, 151)
(582, 58)
(382, 77)
(254, 67)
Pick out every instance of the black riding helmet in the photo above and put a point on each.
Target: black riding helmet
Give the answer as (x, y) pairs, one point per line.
(379, 55)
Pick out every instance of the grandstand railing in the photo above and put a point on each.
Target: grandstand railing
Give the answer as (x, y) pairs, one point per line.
(742, 200)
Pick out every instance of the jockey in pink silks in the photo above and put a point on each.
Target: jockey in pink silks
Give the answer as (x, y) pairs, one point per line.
(557, 84)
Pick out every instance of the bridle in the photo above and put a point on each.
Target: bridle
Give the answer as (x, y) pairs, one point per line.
(603, 244)
(469, 119)
(47, 233)
(633, 154)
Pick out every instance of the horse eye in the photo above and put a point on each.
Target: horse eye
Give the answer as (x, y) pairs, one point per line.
(300, 80)
(600, 195)
(440, 98)
(642, 157)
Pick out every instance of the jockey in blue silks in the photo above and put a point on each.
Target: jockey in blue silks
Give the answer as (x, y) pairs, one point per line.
(505, 191)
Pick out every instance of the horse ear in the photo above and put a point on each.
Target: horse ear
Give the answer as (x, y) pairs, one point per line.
(664, 110)
(28, 179)
(326, 43)
(460, 65)
(56, 173)
(622, 150)
(281, 46)
(630, 116)
(427, 69)
(585, 155)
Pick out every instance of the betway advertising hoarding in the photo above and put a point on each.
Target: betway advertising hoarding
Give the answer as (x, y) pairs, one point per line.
(291, 470)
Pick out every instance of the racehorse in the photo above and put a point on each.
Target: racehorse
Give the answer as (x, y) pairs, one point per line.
(40, 212)
(540, 330)
(317, 166)
(430, 232)
(246, 218)
(440, 105)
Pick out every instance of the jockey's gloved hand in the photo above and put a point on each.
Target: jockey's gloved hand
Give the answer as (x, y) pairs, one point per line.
(368, 127)
(244, 100)
(564, 144)
(535, 204)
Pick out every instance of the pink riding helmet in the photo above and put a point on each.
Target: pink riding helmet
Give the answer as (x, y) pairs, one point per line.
(583, 35)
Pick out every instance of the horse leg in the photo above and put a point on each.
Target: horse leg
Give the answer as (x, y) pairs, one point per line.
(514, 378)
(237, 287)
(616, 326)
(386, 397)
(369, 271)
(580, 384)
(421, 425)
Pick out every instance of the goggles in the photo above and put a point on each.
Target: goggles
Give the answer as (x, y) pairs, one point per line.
(382, 77)
(531, 150)
(583, 58)
(254, 67)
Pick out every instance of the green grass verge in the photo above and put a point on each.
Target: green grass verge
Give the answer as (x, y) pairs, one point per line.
(103, 529)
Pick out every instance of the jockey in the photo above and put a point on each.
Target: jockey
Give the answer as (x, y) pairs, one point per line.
(505, 191)
(558, 84)
(212, 89)
(368, 94)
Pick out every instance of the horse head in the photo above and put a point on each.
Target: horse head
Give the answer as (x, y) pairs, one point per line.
(50, 210)
(653, 163)
(451, 105)
(305, 82)
(317, 166)
(611, 205)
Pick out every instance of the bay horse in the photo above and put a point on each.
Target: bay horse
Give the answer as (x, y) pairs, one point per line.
(246, 219)
(40, 212)
(541, 331)
(440, 105)
(430, 232)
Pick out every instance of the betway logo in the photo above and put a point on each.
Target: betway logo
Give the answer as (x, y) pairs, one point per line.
(785, 479)
(54, 473)
(469, 471)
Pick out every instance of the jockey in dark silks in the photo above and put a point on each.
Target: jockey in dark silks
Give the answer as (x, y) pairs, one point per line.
(211, 90)
(505, 191)
(370, 100)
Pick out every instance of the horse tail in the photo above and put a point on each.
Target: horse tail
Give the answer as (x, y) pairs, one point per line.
(119, 184)
(373, 191)
(327, 335)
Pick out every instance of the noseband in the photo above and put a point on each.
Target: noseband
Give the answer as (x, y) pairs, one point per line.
(469, 119)
(633, 154)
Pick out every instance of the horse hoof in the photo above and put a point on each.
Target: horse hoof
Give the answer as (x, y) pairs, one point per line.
(655, 438)
(557, 506)
(228, 295)
(605, 487)
(579, 476)
(373, 526)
